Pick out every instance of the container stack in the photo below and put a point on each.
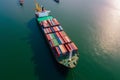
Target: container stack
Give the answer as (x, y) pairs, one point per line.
(58, 40)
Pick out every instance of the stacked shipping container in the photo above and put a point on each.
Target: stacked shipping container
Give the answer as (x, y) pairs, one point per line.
(57, 38)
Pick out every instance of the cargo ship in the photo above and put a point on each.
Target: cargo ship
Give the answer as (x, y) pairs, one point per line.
(63, 49)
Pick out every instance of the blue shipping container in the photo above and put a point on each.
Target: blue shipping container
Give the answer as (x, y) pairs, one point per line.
(52, 29)
(60, 28)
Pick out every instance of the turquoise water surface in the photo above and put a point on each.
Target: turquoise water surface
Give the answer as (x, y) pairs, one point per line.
(93, 25)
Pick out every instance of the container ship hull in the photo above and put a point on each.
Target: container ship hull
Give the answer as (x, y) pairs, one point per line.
(63, 49)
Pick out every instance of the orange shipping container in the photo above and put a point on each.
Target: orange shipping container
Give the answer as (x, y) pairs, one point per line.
(63, 49)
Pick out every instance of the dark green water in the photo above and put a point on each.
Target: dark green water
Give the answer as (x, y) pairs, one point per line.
(94, 25)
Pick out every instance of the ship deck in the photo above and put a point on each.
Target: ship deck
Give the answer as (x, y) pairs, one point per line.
(64, 59)
(72, 63)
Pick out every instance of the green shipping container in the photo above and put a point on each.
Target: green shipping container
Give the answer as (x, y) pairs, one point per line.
(55, 42)
(44, 18)
(53, 36)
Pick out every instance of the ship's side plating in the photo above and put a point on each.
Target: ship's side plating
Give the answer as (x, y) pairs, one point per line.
(64, 50)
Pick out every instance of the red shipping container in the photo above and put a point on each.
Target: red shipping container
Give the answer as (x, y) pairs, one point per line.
(63, 33)
(64, 40)
(52, 22)
(70, 47)
(60, 34)
(48, 37)
(44, 31)
(58, 51)
(45, 23)
(49, 22)
(49, 30)
(63, 49)
(75, 47)
(57, 34)
(54, 28)
(67, 48)
(57, 28)
(67, 39)
(50, 43)
(55, 21)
